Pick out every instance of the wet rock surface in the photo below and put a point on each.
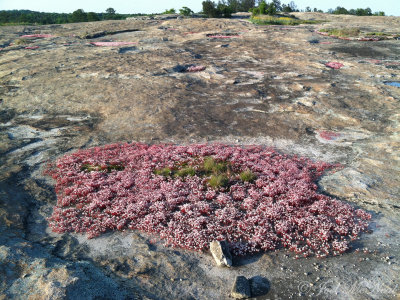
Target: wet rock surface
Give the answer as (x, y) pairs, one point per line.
(261, 85)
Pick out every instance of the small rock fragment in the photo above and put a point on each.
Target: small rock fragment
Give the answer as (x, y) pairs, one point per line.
(241, 288)
(221, 254)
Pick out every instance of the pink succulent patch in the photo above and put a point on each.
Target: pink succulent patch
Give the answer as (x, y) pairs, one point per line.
(37, 36)
(325, 42)
(220, 36)
(374, 61)
(369, 39)
(195, 69)
(112, 44)
(328, 135)
(32, 47)
(334, 65)
(280, 208)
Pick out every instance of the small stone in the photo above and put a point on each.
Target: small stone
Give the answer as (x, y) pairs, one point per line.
(221, 254)
(241, 288)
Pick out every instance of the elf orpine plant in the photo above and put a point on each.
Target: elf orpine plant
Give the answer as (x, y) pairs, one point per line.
(253, 197)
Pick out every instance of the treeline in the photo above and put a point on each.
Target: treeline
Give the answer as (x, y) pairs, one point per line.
(42, 18)
(226, 8)
(222, 8)
(356, 12)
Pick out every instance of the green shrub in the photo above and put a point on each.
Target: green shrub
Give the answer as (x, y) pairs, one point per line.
(185, 11)
(169, 11)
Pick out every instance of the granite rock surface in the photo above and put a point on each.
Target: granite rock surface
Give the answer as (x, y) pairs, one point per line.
(263, 85)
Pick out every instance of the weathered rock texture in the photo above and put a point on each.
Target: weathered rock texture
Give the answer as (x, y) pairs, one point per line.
(268, 86)
(221, 254)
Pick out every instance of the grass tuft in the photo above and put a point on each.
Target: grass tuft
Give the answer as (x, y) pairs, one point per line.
(247, 176)
(218, 181)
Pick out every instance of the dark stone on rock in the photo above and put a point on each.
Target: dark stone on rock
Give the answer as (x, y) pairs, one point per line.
(241, 288)
(259, 286)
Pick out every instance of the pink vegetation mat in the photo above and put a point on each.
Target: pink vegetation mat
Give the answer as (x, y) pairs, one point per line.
(112, 44)
(118, 187)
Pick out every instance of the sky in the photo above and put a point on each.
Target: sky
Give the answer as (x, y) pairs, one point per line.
(390, 7)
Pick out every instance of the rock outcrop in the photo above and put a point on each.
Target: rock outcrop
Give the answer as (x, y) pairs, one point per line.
(265, 85)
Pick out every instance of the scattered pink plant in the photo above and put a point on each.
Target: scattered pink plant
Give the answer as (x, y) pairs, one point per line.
(195, 69)
(334, 65)
(112, 44)
(322, 33)
(369, 39)
(115, 187)
(374, 61)
(222, 36)
(37, 36)
(325, 42)
(32, 47)
(328, 135)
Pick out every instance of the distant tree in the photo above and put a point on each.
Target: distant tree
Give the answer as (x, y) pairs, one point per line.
(271, 9)
(110, 11)
(185, 11)
(246, 5)
(277, 4)
(363, 12)
(340, 11)
(262, 7)
(286, 8)
(308, 9)
(170, 11)
(92, 17)
(209, 9)
(234, 5)
(379, 13)
(79, 16)
(224, 10)
(289, 7)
